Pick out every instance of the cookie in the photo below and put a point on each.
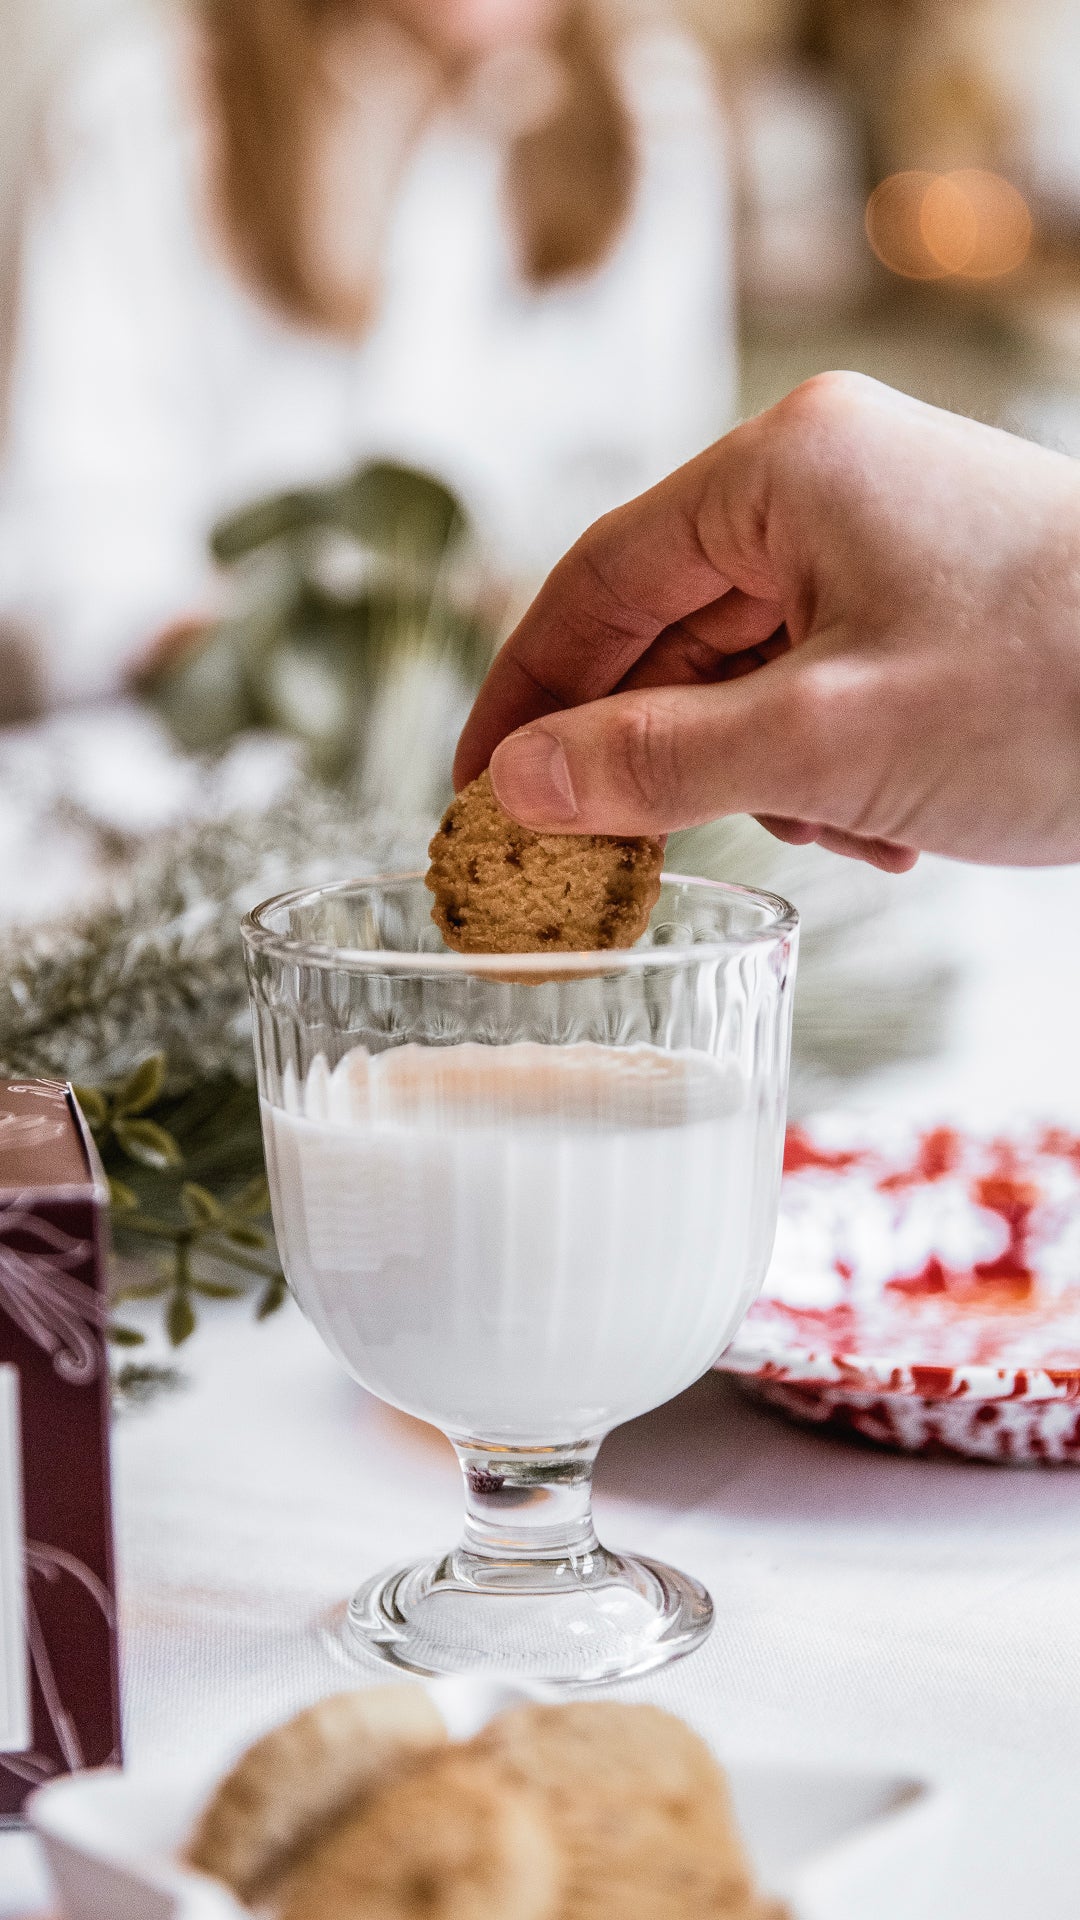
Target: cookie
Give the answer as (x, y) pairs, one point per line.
(638, 1807)
(454, 1840)
(299, 1778)
(500, 888)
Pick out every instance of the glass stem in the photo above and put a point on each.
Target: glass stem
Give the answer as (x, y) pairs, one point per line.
(527, 1504)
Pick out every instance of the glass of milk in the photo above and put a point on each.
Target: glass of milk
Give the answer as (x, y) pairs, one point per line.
(524, 1198)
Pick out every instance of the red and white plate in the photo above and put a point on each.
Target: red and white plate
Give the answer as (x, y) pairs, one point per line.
(925, 1290)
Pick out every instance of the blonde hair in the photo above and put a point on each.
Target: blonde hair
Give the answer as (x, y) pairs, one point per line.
(569, 181)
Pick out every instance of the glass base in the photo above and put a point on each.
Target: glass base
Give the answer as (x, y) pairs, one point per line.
(567, 1622)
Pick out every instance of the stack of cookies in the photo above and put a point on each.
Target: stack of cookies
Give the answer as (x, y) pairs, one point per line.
(362, 1809)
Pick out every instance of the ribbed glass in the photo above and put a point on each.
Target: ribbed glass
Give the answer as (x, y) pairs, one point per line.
(522, 1197)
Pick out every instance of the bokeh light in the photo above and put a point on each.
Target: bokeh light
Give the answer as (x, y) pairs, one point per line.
(968, 223)
(1002, 222)
(948, 224)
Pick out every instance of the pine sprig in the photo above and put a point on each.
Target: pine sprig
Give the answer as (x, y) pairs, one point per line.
(155, 965)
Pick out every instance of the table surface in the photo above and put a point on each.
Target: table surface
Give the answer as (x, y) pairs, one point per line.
(870, 1608)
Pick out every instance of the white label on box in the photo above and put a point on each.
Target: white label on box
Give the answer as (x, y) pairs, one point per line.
(14, 1663)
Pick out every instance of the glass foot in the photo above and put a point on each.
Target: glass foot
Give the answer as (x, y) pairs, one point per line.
(571, 1622)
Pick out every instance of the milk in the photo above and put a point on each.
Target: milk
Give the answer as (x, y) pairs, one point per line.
(524, 1243)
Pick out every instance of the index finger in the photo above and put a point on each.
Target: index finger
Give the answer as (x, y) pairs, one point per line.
(633, 573)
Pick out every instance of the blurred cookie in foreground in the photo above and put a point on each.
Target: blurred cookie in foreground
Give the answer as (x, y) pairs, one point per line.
(363, 1809)
(455, 1841)
(501, 888)
(639, 1809)
(299, 1778)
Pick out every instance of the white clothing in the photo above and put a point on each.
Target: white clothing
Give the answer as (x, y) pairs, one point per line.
(152, 391)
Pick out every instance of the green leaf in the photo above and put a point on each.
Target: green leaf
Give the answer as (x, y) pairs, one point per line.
(245, 1262)
(94, 1105)
(203, 696)
(180, 1319)
(269, 519)
(217, 1289)
(242, 1236)
(398, 511)
(146, 1142)
(122, 1336)
(200, 1205)
(121, 1196)
(272, 1297)
(144, 1225)
(143, 1087)
(137, 1383)
(145, 1289)
(251, 1201)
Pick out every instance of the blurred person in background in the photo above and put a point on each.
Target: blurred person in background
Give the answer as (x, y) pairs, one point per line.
(270, 238)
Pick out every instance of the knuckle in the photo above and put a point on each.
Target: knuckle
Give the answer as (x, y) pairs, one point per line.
(817, 431)
(830, 396)
(836, 390)
(645, 758)
(612, 607)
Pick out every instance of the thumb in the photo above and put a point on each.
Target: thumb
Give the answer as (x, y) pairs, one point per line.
(777, 742)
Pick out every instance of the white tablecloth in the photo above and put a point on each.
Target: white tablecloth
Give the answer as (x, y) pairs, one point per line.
(924, 1615)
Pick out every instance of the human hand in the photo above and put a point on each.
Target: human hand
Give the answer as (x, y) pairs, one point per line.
(856, 617)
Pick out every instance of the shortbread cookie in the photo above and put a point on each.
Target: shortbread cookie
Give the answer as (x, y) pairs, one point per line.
(299, 1778)
(454, 1840)
(500, 888)
(639, 1809)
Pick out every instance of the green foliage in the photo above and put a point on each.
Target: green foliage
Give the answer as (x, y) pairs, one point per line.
(338, 590)
(141, 999)
(188, 1184)
(384, 506)
(136, 1383)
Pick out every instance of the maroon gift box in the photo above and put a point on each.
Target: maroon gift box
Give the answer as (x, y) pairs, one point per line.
(59, 1689)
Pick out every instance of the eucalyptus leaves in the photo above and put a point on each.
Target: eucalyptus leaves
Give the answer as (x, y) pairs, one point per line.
(360, 624)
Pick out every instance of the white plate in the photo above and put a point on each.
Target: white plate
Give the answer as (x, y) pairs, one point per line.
(837, 1845)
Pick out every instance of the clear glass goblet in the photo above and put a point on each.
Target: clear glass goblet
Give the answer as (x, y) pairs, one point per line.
(524, 1198)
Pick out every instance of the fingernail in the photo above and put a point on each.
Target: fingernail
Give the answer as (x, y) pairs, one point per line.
(532, 781)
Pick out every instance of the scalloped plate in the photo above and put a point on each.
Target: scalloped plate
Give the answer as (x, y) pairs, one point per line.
(925, 1290)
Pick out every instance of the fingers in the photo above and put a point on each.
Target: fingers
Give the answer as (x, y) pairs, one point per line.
(889, 855)
(750, 517)
(794, 833)
(658, 561)
(732, 636)
(649, 761)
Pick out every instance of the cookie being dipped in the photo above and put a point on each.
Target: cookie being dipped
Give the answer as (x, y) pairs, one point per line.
(501, 888)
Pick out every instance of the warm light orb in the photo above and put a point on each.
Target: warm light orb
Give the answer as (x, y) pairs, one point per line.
(1002, 222)
(969, 224)
(893, 226)
(948, 224)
